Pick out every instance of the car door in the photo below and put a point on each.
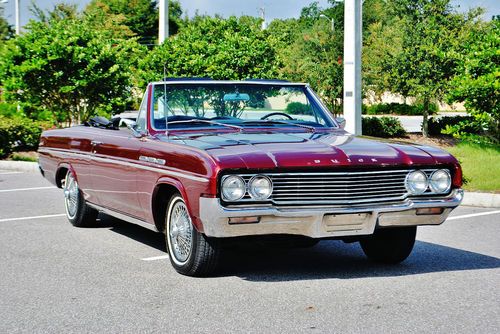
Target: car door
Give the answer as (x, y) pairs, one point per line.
(115, 154)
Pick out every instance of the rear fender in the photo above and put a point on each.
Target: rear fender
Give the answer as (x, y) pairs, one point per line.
(60, 169)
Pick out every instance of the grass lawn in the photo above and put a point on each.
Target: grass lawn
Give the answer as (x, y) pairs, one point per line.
(480, 165)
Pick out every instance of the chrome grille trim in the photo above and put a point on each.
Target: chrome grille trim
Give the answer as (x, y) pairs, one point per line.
(336, 188)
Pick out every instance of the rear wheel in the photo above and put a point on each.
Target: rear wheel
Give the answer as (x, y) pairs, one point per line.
(392, 245)
(191, 253)
(78, 212)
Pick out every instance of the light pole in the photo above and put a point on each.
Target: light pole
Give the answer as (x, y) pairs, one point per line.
(17, 15)
(163, 21)
(332, 21)
(353, 43)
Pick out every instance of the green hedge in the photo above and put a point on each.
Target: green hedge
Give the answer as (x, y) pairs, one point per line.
(398, 109)
(19, 134)
(385, 127)
(438, 124)
(298, 108)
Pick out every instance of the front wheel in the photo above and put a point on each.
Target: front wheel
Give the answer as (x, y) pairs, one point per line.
(391, 245)
(78, 212)
(191, 253)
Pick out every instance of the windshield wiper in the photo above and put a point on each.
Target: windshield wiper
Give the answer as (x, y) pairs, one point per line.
(239, 128)
(308, 127)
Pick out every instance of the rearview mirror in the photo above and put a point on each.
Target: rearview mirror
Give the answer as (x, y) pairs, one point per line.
(236, 97)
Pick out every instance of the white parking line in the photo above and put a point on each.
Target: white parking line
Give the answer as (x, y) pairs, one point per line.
(25, 189)
(474, 215)
(29, 218)
(154, 258)
(9, 173)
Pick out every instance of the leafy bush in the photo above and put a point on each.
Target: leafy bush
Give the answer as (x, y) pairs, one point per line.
(8, 110)
(477, 80)
(438, 124)
(472, 129)
(297, 108)
(399, 109)
(19, 134)
(385, 127)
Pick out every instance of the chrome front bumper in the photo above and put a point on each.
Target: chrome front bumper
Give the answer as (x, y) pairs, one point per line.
(322, 222)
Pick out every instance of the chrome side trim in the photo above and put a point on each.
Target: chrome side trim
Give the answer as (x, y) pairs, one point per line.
(123, 217)
(125, 163)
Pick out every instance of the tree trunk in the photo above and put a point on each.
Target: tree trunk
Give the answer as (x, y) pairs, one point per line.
(425, 122)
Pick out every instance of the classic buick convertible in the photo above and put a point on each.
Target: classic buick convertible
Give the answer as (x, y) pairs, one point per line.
(208, 162)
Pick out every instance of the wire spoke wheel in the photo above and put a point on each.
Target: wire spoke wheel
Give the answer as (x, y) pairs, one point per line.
(180, 232)
(190, 252)
(71, 196)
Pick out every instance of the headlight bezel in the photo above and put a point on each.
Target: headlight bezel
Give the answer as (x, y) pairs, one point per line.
(223, 193)
(251, 191)
(432, 181)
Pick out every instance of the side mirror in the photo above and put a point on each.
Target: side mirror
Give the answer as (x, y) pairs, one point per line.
(128, 123)
(132, 126)
(340, 121)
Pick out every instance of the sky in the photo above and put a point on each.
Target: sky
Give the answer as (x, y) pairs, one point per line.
(274, 8)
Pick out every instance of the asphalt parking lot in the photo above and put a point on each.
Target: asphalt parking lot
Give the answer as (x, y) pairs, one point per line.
(116, 278)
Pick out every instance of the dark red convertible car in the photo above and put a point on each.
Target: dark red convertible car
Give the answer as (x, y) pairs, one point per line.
(209, 161)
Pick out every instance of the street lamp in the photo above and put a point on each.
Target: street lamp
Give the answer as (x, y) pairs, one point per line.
(332, 21)
(163, 21)
(18, 21)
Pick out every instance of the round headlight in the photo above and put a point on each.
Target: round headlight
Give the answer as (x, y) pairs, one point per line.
(233, 188)
(440, 181)
(416, 182)
(260, 187)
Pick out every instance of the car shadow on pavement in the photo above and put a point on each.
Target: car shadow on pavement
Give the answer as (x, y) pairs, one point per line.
(138, 233)
(328, 259)
(335, 259)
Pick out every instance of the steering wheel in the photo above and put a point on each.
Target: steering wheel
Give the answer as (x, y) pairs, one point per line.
(277, 114)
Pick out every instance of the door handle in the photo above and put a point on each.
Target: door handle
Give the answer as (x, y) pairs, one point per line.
(95, 142)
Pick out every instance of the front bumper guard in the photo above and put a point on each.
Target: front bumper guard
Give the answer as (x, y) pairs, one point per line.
(323, 222)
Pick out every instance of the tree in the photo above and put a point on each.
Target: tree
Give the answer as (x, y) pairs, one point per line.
(316, 57)
(140, 16)
(423, 63)
(312, 52)
(233, 48)
(60, 11)
(6, 30)
(67, 68)
(477, 80)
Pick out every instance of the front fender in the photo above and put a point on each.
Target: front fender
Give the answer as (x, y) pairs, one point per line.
(191, 198)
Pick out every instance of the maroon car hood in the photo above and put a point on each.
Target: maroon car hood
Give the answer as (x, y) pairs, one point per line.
(291, 150)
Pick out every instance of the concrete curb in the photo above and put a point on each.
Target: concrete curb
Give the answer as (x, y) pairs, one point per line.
(481, 199)
(470, 198)
(20, 166)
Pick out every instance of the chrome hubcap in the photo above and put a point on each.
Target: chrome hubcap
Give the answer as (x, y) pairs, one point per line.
(180, 232)
(71, 196)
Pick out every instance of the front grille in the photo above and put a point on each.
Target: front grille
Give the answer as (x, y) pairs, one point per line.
(337, 188)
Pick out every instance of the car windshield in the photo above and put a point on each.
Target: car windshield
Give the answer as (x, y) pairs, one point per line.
(236, 105)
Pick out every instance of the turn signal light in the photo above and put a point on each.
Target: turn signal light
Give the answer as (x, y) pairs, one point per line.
(429, 211)
(244, 220)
